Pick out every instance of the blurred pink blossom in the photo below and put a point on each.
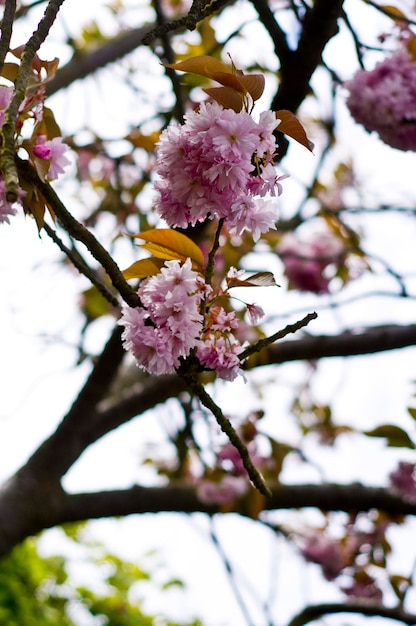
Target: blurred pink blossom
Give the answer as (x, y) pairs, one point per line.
(403, 481)
(384, 100)
(363, 586)
(327, 552)
(306, 261)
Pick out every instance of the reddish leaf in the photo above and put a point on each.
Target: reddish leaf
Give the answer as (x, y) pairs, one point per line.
(261, 279)
(254, 84)
(226, 96)
(290, 126)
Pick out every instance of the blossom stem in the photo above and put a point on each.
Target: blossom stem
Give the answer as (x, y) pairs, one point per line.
(7, 161)
(290, 328)
(209, 271)
(198, 389)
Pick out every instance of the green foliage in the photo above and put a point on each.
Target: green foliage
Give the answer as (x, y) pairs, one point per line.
(29, 588)
(37, 590)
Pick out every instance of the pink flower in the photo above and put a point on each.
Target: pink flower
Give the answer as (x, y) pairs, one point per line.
(305, 262)
(403, 481)
(53, 151)
(255, 313)
(327, 552)
(384, 100)
(7, 209)
(6, 94)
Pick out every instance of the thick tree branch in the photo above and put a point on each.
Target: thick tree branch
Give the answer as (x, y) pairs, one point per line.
(85, 64)
(296, 68)
(92, 415)
(27, 508)
(366, 341)
(277, 34)
(311, 613)
(182, 499)
(58, 452)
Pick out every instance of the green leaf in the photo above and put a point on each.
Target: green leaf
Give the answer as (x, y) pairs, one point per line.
(396, 436)
(168, 244)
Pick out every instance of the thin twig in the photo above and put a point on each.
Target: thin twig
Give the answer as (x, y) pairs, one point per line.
(79, 263)
(78, 232)
(290, 328)
(230, 574)
(209, 270)
(198, 389)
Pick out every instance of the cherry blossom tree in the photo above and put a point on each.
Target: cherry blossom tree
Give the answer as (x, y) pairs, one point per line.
(221, 232)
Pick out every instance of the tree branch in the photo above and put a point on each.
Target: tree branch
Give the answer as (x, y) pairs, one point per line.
(181, 498)
(366, 341)
(77, 231)
(85, 64)
(296, 69)
(311, 613)
(27, 508)
(92, 415)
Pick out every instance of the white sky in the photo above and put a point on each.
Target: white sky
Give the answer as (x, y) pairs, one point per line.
(38, 382)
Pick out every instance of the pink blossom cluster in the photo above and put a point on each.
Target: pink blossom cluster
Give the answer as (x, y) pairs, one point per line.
(337, 557)
(384, 100)
(403, 481)
(229, 479)
(222, 491)
(350, 555)
(307, 262)
(327, 552)
(218, 348)
(169, 324)
(219, 164)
